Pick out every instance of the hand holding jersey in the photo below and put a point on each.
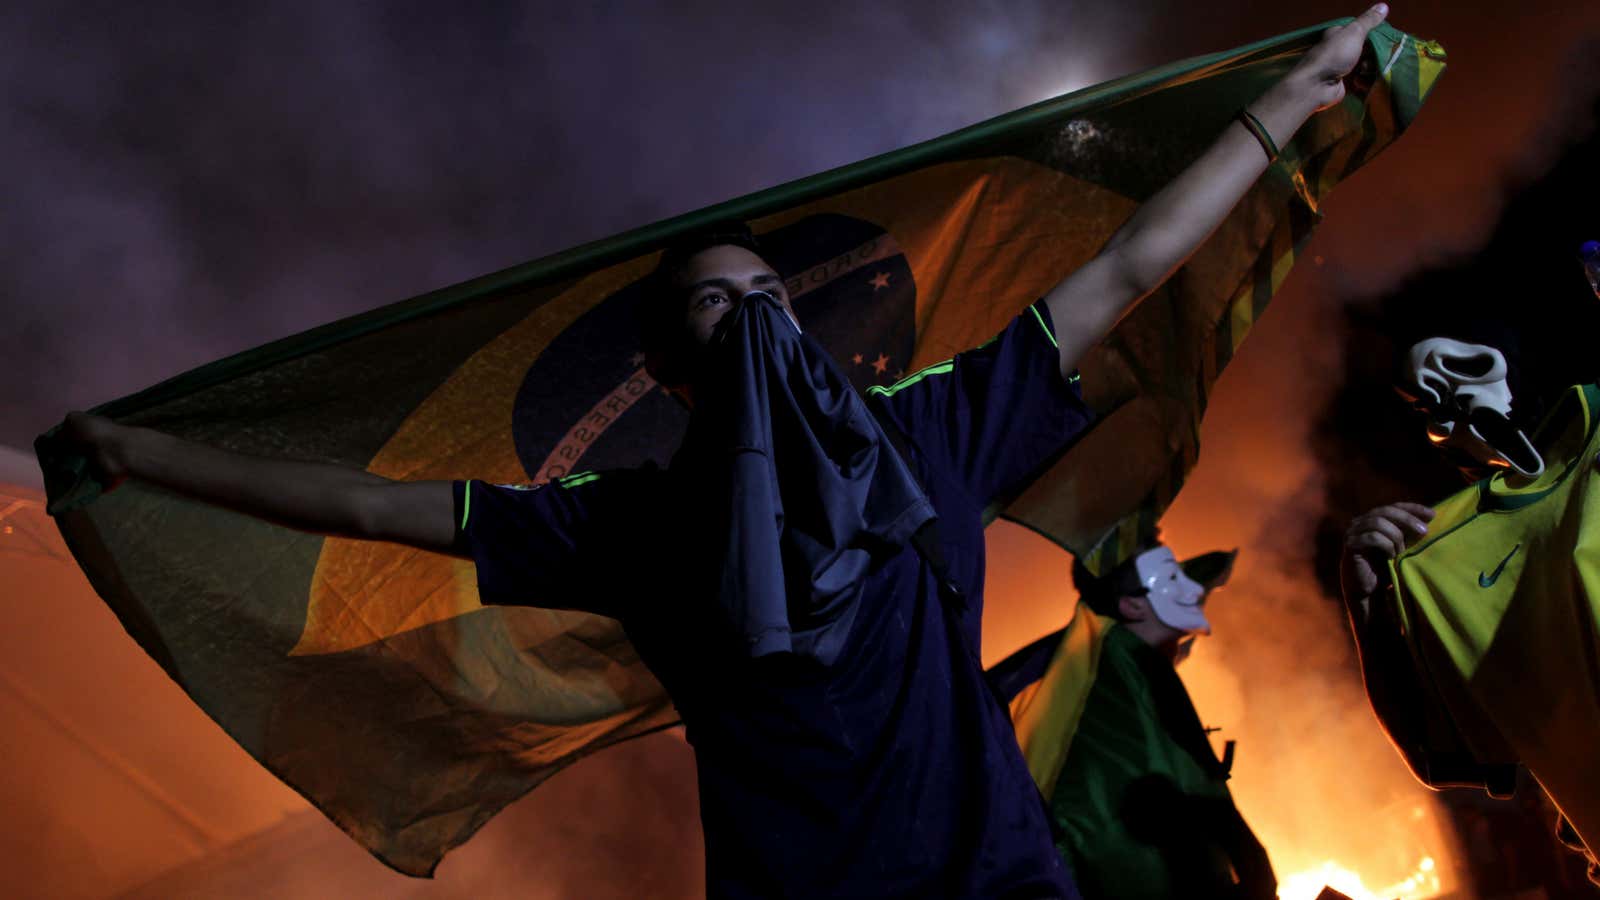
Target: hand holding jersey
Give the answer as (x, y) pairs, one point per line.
(1373, 539)
(1465, 614)
(1500, 609)
(1463, 391)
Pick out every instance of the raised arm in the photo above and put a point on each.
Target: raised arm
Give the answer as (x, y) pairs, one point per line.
(1169, 226)
(318, 497)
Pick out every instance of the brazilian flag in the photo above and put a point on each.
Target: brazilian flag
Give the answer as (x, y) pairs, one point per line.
(370, 678)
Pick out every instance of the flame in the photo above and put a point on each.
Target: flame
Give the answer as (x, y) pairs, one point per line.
(1306, 885)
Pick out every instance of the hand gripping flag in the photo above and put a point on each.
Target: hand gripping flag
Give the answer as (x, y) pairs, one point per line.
(369, 677)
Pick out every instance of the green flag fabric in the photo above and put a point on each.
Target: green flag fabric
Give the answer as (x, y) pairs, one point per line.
(370, 678)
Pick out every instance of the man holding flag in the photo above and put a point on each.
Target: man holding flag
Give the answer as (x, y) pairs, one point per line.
(823, 656)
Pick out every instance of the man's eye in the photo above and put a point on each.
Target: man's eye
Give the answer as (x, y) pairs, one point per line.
(708, 299)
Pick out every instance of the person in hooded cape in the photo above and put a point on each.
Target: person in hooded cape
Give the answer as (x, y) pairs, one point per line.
(1138, 796)
(1478, 619)
(823, 661)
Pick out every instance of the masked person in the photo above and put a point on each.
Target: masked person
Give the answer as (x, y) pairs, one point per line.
(822, 661)
(1140, 799)
(1478, 620)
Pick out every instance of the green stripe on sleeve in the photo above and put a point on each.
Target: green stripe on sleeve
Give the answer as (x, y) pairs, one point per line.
(466, 502)
(580, 478)
(1042, 326)
(938, 368)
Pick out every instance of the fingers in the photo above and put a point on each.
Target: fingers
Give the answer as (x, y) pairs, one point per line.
(1372, 18)
(1410, 522)
(1413, 517)
(1377, 533)
(1387, 530)
(1374, 543)
(1361, 25)
(1357, 577)
(1425, 513)
(1338, 54)
(80, 429)
(1357, 29)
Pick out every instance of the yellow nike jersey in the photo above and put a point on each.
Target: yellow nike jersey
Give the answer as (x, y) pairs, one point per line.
(1500, 604)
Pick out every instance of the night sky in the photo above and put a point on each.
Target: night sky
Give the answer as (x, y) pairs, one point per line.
(190, 181)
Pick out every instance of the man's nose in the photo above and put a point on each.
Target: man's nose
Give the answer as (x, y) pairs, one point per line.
(756, 295)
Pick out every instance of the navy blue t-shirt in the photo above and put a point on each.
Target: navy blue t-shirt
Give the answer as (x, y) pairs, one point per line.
(893, 772)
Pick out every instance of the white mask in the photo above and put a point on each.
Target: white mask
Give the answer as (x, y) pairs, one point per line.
(1175, 598)
(1463, 389)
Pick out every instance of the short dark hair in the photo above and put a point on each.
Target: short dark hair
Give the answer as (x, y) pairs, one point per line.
(660, 312)
(1103, 593)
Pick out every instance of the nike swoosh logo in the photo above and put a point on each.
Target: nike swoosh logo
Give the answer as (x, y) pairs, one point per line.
(1489, 580)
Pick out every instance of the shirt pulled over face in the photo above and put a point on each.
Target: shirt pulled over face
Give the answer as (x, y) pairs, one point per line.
(794, 487)
(893, 771)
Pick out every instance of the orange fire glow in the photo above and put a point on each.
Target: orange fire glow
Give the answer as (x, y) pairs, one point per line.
(1315, 777)
(1320, 786)
(1306, 885)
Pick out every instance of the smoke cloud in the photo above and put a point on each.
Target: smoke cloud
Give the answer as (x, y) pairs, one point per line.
(198, 180)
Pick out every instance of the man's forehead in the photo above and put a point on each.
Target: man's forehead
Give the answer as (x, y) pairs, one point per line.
(725, 262)
(1155, 558)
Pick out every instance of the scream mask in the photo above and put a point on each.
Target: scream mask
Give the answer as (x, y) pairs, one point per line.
(1463, 390)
